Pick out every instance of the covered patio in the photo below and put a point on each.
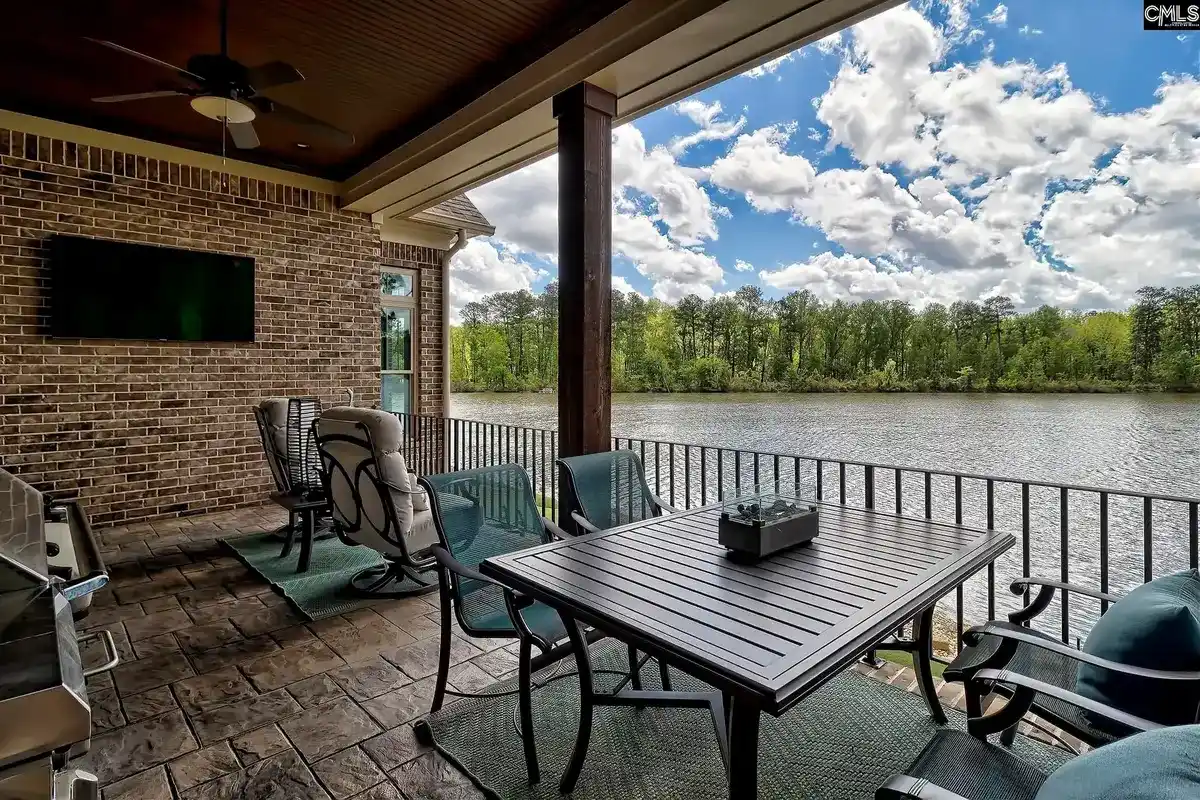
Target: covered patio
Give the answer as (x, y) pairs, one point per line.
(342, 181)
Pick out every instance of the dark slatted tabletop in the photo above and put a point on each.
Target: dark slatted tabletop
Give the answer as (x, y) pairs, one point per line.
(778, 628)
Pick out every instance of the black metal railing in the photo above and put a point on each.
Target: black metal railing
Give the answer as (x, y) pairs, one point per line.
(1112, 539)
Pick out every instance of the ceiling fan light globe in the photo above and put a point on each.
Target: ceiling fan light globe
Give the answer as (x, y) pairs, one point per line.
(224, 109)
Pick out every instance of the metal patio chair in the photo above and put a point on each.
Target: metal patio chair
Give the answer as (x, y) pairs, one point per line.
(1047, 665)
(604, 490)
(478, 514)
(373, 500)
(965, 766)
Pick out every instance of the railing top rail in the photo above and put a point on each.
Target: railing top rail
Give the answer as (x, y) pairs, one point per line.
(853, 462)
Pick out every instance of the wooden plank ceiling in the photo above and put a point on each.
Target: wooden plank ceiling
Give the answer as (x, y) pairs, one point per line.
(382, 70)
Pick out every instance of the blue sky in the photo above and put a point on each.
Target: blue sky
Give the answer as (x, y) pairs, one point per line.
(942, 150)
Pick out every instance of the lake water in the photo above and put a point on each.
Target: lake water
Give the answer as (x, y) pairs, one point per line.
(1140, 443)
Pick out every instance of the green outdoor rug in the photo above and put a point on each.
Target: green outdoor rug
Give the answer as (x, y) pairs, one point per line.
(841, 743)
(324, 590)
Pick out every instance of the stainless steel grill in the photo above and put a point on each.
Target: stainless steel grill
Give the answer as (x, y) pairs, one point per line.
(45, 718)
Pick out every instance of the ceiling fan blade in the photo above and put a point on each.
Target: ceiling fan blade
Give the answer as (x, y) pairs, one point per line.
(243, 134)
(144, 57)
(121, 98)
(297, 117)
(273, 73)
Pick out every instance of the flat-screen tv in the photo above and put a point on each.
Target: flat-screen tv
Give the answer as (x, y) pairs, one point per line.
(102, 289)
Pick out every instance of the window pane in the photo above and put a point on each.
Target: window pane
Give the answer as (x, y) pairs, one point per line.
(395, 339)
(397, 391)
(396, 285)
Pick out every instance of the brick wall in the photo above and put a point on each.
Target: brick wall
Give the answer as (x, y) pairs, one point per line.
(428, 263)
(150, 429)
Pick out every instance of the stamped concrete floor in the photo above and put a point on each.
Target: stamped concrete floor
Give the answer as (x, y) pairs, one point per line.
(224, 692)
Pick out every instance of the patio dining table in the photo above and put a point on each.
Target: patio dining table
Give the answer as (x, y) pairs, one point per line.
(763, 635)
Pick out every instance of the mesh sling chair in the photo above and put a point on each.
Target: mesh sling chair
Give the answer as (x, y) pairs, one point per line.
(610, 489)
(374, 500)
(1042, 662)
(965, 766)
(478, 514)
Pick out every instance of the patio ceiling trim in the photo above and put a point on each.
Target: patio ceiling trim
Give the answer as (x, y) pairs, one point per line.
(53, 129)
(703, 44)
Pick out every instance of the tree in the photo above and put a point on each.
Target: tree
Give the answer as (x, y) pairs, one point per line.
(1147, 330)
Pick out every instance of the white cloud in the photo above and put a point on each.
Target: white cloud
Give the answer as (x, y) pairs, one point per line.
(712, 128)
(966, 180)
(649, 187)
(831, 277)
(743, 266)
(675, 271)
(622, 284)
(523, 206)
(681, 203)
(770, 67)
(481, 268)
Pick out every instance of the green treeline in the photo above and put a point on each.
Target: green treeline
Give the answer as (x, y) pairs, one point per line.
(746, 342)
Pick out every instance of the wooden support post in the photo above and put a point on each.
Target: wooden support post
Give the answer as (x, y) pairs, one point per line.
(584, 113)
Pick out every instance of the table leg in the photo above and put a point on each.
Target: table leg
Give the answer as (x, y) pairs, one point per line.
(583, 665)
(743, 749)
(923, 636)
(306, 543)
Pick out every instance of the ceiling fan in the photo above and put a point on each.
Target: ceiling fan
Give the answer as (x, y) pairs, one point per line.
(229, 92)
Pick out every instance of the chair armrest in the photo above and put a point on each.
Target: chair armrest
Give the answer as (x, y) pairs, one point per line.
(555, 531)
(444, 559)
(906, 787)
(1066, 696)
(1018, 587)
(583, 522)
(1025, 637)
(663, 504)
(1041, 600)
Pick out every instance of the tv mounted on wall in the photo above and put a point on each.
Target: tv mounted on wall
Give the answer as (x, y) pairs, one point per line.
(103, 289)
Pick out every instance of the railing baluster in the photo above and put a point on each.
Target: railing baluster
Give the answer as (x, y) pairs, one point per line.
(820, 469)
(554, 477)
(776, 468)
(928, 495)
(991, 568)
(1025, 536)
(958, 590)
(687, 476)
(671, 455)
(869, 486)
(1194, 535)
(1063, 572)
(1147, 539)
(1104, 549)
(899, 492)
(842, 482)
(703, 476)
(796, 475)
(657, 471)
(757, 478)
(737, 472)
(720, 474)
(545, 467)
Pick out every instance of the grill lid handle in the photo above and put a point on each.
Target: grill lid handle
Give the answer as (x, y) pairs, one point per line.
(85, 585)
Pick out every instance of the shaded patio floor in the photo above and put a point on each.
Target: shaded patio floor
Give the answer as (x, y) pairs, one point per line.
(226, 692)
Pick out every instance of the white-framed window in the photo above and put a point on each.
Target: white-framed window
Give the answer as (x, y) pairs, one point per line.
(397, 338)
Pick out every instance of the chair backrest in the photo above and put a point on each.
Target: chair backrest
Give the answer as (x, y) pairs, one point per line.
(271, 416)
(481, 513)
(365, 477)
(609, 489)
